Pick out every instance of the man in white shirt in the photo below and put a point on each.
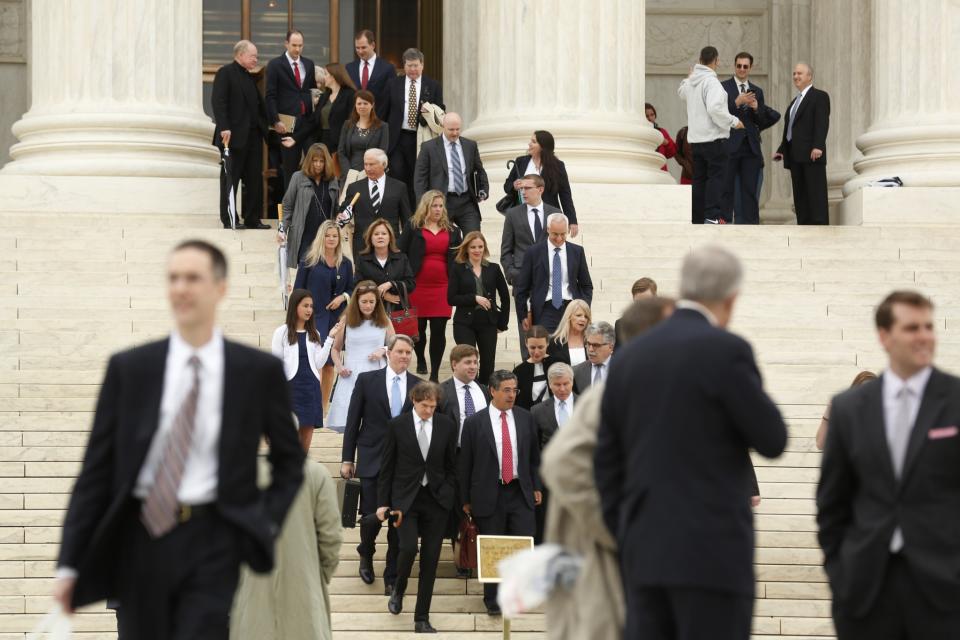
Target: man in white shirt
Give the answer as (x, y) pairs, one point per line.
(369, 71)
(290, 77)
(462, 395)
(599, 339)
(163, 513)
(499, 484)
(378, 196)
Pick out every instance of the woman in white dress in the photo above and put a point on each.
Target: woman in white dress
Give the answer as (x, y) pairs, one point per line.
(368, 328)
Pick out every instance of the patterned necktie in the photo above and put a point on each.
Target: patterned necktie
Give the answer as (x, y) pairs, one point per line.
(562, 414)
(458, 187)
(743, 88)
(375, 197)
(506, 458)
(537, 225)
(556, 287)
(396, 398)
(468, 407)
(597, 373)
(365, 78)
(159, 510)
(412, 106)
(424, 441)
(793, 115)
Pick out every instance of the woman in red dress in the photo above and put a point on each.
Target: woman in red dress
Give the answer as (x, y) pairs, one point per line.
(430, 240)
(668, 148)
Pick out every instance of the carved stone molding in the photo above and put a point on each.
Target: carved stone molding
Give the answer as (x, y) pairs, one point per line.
(13, 31)
(674, 39)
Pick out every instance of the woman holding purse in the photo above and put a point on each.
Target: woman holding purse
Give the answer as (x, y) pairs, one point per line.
(381, 261)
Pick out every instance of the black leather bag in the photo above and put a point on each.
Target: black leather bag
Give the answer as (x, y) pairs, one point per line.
(348, 492)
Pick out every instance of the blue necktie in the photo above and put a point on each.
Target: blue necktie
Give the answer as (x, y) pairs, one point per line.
(457, 169)
(396, 398)
(557, 281)
(468, 407)
(793, 116)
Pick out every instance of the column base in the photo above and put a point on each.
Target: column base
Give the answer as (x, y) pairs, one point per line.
(109, 194)
(900, 206)
(632, 203)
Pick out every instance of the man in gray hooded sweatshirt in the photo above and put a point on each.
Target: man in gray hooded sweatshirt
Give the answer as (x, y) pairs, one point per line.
(709, 123)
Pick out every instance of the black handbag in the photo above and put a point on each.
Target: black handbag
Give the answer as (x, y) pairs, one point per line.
(512, 198)
(348, 492)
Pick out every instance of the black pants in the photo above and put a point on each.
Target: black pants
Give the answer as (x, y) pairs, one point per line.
(179, 586)
(369, 529)
(686, 613)
(427, 520)
(246, 164)
(403, 160)
(900, 612)
(745, 165)
(482, 335)
(463, 212)
(550, 317)
(709, 173)
(810, 192)
(438, 342)
(511, 517)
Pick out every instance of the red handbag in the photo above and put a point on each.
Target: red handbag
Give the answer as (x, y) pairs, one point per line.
(467, 553)
(405, 320)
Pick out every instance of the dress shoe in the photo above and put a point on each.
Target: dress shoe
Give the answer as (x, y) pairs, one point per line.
(256, 225)
(423, 626)
(388, 588)
(493, 610)
(422, 368)
(366, 569)
(463, 572)
(395, 606)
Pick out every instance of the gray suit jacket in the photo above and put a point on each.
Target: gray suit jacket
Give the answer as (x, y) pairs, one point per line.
(545, 419)
(432, 173)
(517, 237)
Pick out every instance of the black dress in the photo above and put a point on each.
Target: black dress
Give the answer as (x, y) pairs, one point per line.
(305, 389)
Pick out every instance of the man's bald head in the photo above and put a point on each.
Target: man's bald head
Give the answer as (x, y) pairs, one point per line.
(451, 126)
(802, 76)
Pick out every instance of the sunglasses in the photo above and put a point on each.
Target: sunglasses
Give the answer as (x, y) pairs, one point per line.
(743, 66)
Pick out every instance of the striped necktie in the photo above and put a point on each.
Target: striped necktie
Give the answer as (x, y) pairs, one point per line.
(375, 196)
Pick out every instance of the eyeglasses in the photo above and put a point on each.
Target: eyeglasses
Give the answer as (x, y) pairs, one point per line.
(596, 345)
(743, 66)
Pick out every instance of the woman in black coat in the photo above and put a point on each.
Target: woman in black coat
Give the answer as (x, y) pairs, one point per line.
(473, 287)
(381, 261)
(532, 387)
(541, 160)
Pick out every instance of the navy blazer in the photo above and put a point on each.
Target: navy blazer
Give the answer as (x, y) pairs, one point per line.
(325, 285)
(367, 420)
(282, 93)
(382, 72)
(747, 116)
(393, 108)
(404, 466)
(682, 406)
(533, 282)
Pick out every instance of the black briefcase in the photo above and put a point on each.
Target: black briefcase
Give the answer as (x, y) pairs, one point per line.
(348, 494)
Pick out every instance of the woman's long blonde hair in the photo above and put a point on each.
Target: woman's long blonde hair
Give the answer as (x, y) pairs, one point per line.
(420, 215)
(315, 252)
(563, 329)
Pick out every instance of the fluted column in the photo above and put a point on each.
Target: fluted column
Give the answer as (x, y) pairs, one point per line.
(116, 91)
(914, 130)
(574, 68)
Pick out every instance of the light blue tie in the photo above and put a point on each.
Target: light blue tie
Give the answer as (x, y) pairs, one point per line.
(562, 414)
(396, 398)
(457, 169)
(793, 116)
(556, 285)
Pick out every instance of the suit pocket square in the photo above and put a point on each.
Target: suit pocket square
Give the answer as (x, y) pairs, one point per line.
(943, 432)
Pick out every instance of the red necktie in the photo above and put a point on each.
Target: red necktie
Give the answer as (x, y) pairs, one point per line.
(296, 76)
(506, 459)
(366, 75)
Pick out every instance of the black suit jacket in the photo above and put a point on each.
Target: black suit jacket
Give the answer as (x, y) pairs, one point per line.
(860, 501)
(396, 271)
(682, 406)
(432, 171)
(310, 128)
(255, 403)
(545, 419)
(532, 284)
(403, 466)
(479, 466)
(394, 208)
(450, 406)
(393, 108)
(524, 373)
(809, 129)
(517, 237)
(282, 93)
(237, 105)
(462, 294)
(382, 72)
(368, 418)
(560, 196)
(412, 243)
(754, 120)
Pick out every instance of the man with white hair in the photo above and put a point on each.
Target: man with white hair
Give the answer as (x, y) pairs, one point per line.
(451, 164)
(554, 272)
(380, 197)
(682, 406)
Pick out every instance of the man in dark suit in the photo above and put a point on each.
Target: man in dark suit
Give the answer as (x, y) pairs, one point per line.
(241, 118)
(451, 164)
(380, 197)
(550, 416)
(417, 485)
(890, 486)
(554, 272)
(803, 148)
(289, 80)
(499, 459)
(525, 224)
(377, 397)
(401, 108)
(599, 338)
(369, 71)
(745, 156)
(166, 505)
(642, 288)
(462, 396)
(681, 407)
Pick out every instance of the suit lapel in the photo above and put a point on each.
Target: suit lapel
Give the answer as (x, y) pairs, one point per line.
(525, 226)
(488, 431)
(931, 406)
(383, 393)
(875, 425)
(444, 151)
(154, 369)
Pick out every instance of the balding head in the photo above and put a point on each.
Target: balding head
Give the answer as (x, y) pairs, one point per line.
(245, 53)
(802, 76)
(451, 126)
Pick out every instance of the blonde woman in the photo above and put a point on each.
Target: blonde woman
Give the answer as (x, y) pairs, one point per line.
(567, 343)
(310, 199)
(429, 239)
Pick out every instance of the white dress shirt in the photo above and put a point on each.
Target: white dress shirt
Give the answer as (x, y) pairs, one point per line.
(538, 385)
(479, 402)
(892, 385)
(391, 374)
(567, 404)
(699, 308)
(498, 437)
(381, 182)
(371, 62)
(565, 278)
(428, 427)
(418, 83)
(604, 370)
(543, 220)
(299, 64)
(463, 163)
(199, 482)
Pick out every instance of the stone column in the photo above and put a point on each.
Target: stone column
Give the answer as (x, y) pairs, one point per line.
(116, 115)
(915, 125)
(572, 67)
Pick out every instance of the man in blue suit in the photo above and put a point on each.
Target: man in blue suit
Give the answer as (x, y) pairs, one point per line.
(369, 71)
(745, 165)
(554, 272)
